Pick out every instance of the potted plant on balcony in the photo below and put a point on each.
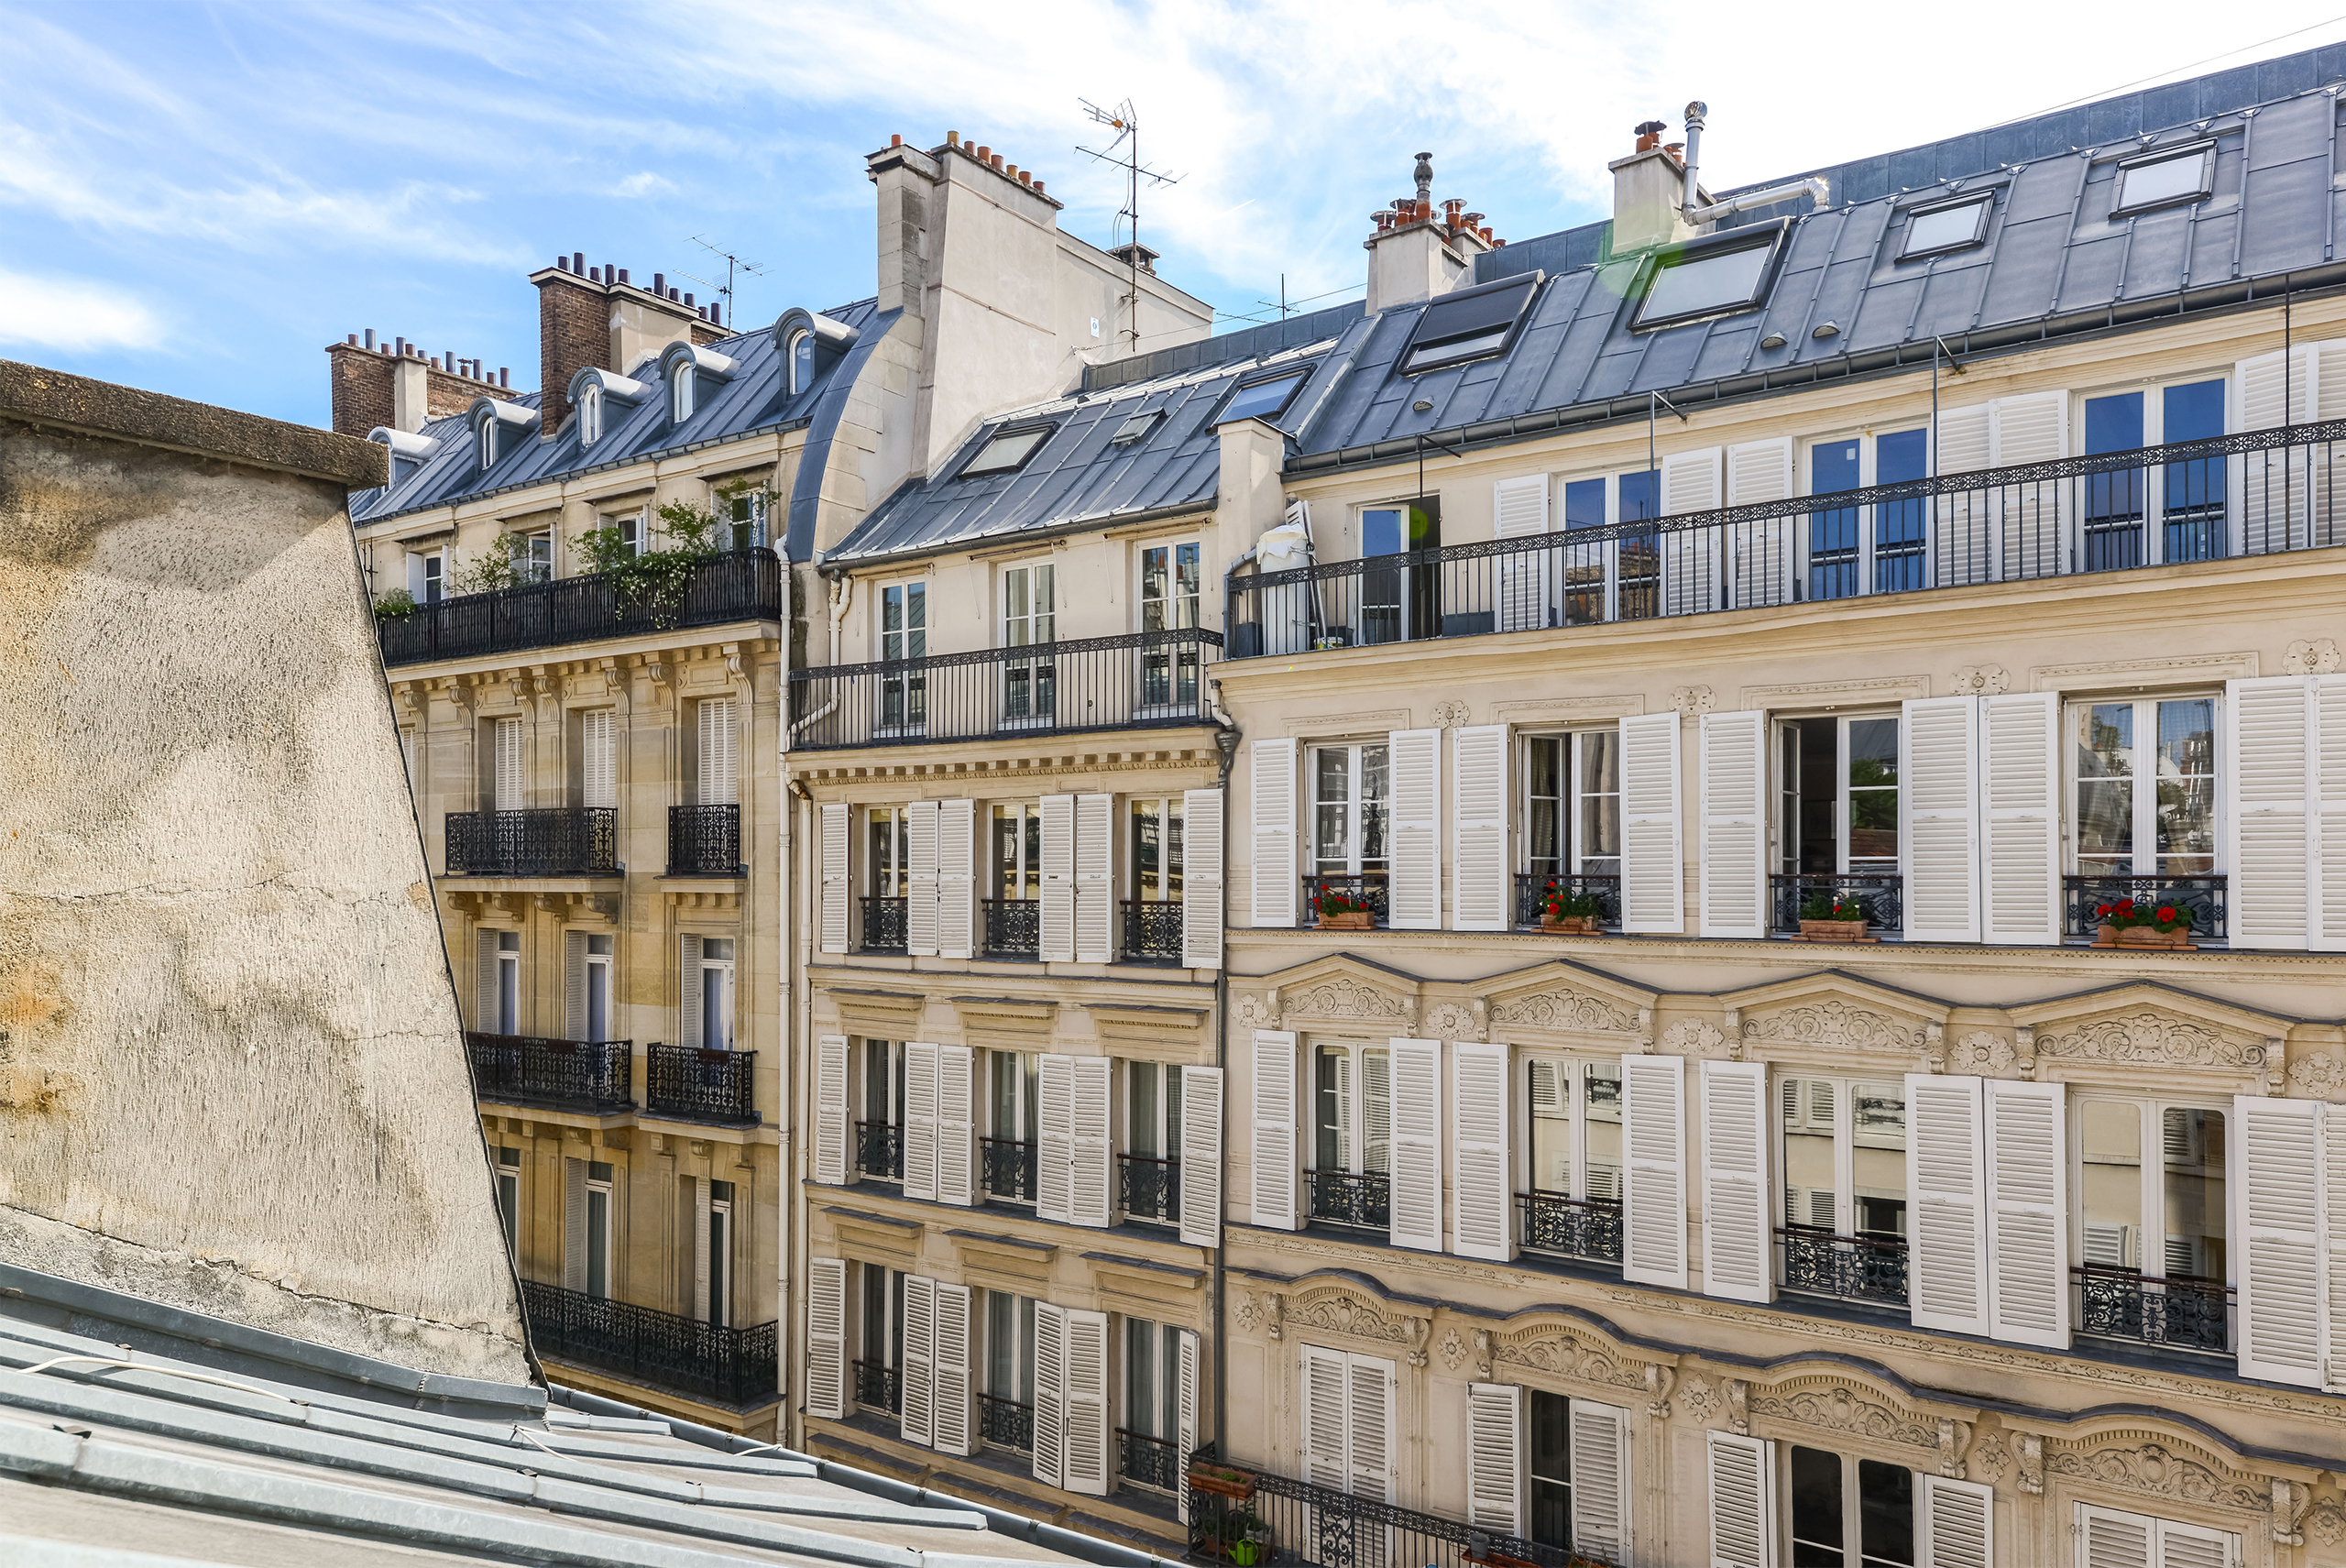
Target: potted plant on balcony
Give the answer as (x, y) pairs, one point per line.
(1223, 1481)
(1342, 911)
(1831, 917)
(394, 605)
(2128, 924)
(1575, 914)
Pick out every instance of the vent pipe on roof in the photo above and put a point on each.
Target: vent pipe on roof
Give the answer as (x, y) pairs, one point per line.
(1697, 212)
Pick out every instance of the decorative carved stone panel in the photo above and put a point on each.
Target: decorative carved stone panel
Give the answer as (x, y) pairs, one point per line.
(2150, 1037)
(1835, 1026)
(1832, 1406)
(2159, 1466)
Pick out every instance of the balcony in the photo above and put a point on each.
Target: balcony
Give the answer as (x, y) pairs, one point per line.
(1138, 681)
(2182, 1311)
(1152, 1462)
(746, 584)
(699, 1085)
(704, 841)
(1882, 895)
(1570, 1227)
(876, 1387)
(2204, 896)
(1854, 1268)
(883, 924)
(1005, 1423)
(2257, 493)
(558, 1075)
(561, 840)
(701, 1361)
(1006, 1169)
(1014, 927)
(1151, 931)
(1149, 1189)
(880, 1150)
(1531, 889)
(1351, 894)
(1362, 1200)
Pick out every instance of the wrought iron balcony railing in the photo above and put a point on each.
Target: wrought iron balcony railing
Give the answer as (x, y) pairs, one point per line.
(699, 1085)
(880, 1150)
(2204, 896)
(704, 841)
(1570, 1227)
(876, 1387)
(2256, 493)
(557, 840)
(1005, 1423)
(1362, 1199)
(1532, 896)
(1007, 1169)
(1150, 1462)
(2180, 1311)
(700, 1361)
(567, 1075)
(1149, 1189)
(1153, 931)
(1356, 892)
(1854, 1269)
(1013, 926)
(1882, 895)
(746, 584)
(1140, 680)
(883, 924)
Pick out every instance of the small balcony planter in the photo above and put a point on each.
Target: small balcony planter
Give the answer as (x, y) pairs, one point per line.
(1833, 919)
(1221, 1481)
(2129, 924)
(1345, 912)
(1569, 913)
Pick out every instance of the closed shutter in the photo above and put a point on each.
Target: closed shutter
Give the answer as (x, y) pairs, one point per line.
(1326, 1454)
(1092, 1161)
(1416, 1160)
(1495, 1458)
(835, 879)
(485, 1009)
(1938, 830)
(1271, 1156)
(1763, 554)
(1735, 824)
(688, 992)
(920, 879)
(1743, 1501)
(952, 1409)
(2028, 1213)
(1737, 1214)
(1050, 1393)
(1520, 511)
(1271, 807)
(1095, 879)
(2109, 1538)
(2326, 773)
(1055, 1138)
(1058, 917)
(508, 793)
(574, 1224)
(1479, 885)
(1368, 1426)
(2332, 1284)
(827, 1337)
(2196, 1546)
(1653, 1133)
(574, 985)
(1691, 570)
(1598, 1441)
(920, 1120)
(2033, 428)
(2276, 1180)
(1959, 1524)
(1201, 1153)
(719, 758)
(1482, 1188)
(2262, 776)
(598, 760)
(1962, 523)
(2019, 828)
(1089, 1464)
(1202, 909)
(957, 879)
(830, 1109)
(1947, 1261)
(1185, 1415)
(915, 1370)
(2272, 485)
(957, 1143)
(1653, 869)
(700, 1302)
(1415, 894)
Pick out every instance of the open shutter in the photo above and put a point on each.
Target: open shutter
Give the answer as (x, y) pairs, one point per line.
(1055, 1138)
(484, 1017)
(1961, 522)
(1201, 911)
(1479, 883)
(920, 1120)
(835, 883)
(1959, 1524)
(1693, 572)
(1763, 555)
(1095, 880)
(1089, 1465)
(920, 879)
(1200, 1177)
(952, 1410)
(1326, 1456)
(1743, 1501)
(1737, 1262)
(1368, 1426)
(2262, 776)
(1598, 1440)
(1520, 511)
(1482, 1188)
(1058, 928)
(2277, 1181)
(1185, 1415)
(1271, 1156)
(956, 1144)
(2028, 1213)
(830, 1109)
(688, 992)
(700, 1313)
(957, 879)
(2019, 828)
(1735, 824)
(574, 1224)
(508, 791)
(1415, 1096)
(1947, 1261)
(2031, 428)
(827, 1337)
(2326, 775)
(1414, 893)
(1938, 831)
(574, 985)
(916, 1382)
(598, 760)
(1653, 1134)
(1495, 1457)
(1653, 873)
(2271, 485)
(1091, 1192)
(1050, 1393)
(1271, 805)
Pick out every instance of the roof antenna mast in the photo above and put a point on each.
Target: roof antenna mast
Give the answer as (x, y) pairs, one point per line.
(732, 264)
(1122, 120)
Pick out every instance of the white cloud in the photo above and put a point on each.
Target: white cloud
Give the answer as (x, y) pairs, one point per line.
(62, 313)
(645, 184)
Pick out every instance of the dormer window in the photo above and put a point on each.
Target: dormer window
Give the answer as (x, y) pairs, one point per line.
(2171, 178)
(680, 394)
(488, 444)
(801, 359)
(590, 416)
(686, 364)
(490, 418)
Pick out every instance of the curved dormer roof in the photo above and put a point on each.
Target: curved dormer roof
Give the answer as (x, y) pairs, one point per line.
(832, 339)
(411, 446)
(702, 362)
(512, 416)
(616, 388)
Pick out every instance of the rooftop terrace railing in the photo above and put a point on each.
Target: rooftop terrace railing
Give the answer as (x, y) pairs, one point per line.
(2256, 493)
(744, 585)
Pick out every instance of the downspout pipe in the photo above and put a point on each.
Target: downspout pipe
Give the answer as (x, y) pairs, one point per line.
(1697, 212)
(1225, 740)
(842, 595)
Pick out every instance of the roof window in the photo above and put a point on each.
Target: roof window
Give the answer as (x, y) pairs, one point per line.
(1467, 326)
(1006, 453)
(1137, 427)
(1266, 398)
(1718, 280)
(1949, 225)
(2167, 179)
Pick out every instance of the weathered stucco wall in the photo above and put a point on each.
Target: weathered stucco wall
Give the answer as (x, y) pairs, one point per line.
(230, 1076)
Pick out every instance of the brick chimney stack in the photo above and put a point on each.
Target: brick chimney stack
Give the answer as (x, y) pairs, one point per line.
(392, 385)
(573, 334)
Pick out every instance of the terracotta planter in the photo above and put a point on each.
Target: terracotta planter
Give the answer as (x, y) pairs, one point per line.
(2105, 935)
(1833, 931)
(1571, 925)
(2152, 937)
(1358, 920)
(1222, 1485)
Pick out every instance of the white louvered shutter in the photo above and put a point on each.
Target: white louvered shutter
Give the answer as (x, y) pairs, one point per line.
(2263, 776)
(1050, 1393)
(835, 879)
(688, 991)
(957, 1143)
(920, 879)
(2196, 1546)
(1089, 1464)
(1271, 1153)
(1414, 893)
(2019, 818)
(916, 1384)
(721, 758)
(509, 791)
(700, 1303)
(1743, 1501)
(1095, 878)
(1692, 568)
(2325, 787)
(1495, 1457)
(920, 1120)
(1763, 555)
(1598, 1466)
(830, 1109)
(1938, 824)
(1963, 522)
(2271, 485)
(2332, 1284)
(1415, 1160)
(1520, 511)
(1055, 1138)
(1057, 942)
(1091, 1193)
(1185, 1414)
(2109, 1538)
(952, 1407)
(1947, 1257)
(1653, 860)
(1326, 1454)
(485, 1009)
(1734, 749)
(2276, 1180)
(574, 1224)
(1200, 1178)
(827, 1337)
(1482, 1190)
(2031, 428)
(2028, 1213)
(1270, 803)
(1368, 1426)
(1480, 888)
(957, 879)
(574, 985)
(598, 760)
(1201, 911)
(1958, 1520)
(1653, 1135)
(1738, 1216)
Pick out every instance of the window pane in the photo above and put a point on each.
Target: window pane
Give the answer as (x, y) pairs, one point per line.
(1601, 1160)
(1140, 1374)
(1544, 788)
(1331, 795)
(1816, 1509)
(2193, 412)
(2106, 789)
(1551, 1516)
(1938, 230)
(1885, 1513)
(2114, 423)
(599, 1243)
(1873, 794)
(1810, 1184)
(1141, 1126)
(1377, 1110)
(1877, 1160)
(1002, 1345)
(1551, 1126)
(1374, 793)
(1331, 1146)
(1708, 283)
(2111, 1184)
(2187, 787)
(1585, 503)
(1261, 401)
(1380, 533)
(2194, 1153)
(2164, 181)
(1640, 495)
(1148, 851)
(1004, 453)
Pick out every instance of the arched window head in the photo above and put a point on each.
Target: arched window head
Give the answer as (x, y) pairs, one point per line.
(590, 416)
(488, 442)
(680, 394)
(802, 362)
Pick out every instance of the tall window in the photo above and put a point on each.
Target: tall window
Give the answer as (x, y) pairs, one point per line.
(1156, 848)
(716, 993)
(1016, 852)
(598, 988)
(889, 856)
(1008, 1408)
(2188, 498)
(534, 557)
(430, 578)
(879, 1130)
(719, 1307)
(2129, 825)
(1351, 798)
(1400, 598)
(486, 443)
(1013, 1097)
(508, 1198)
(1549, 1419)
(599, 1229)
(680, 393)
(1575, 1110)
(1849, 1513)
(1837, 783)
(1152, 1401)
(508, 984)
(904, 635)
(1573, 803)
(1616, 579)
(634, 531)
(1352, 1109)
(1029, 617)
(802, 361)
(1169, 602)
(1843, 558)
(881, 1347)
(2151, 1208)
(745, 521)
(1151, 1162)
(590, 414)
(1844, 1177)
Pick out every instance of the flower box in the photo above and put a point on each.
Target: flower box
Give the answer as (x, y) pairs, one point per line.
(1351, 920)
(2144, 936)
(1236, 1483)
(1835, 931)
(2146, 924)
(1571, 925)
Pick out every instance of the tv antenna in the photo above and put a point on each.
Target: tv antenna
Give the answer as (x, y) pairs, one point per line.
(732, 264)
(1126, 125)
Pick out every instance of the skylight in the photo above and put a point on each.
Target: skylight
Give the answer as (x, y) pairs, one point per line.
(1263, 399)
(1136, 427)
(1713, 281)
(2167, 179)
(1006, 453)
(1467, 326)
(1931, 231)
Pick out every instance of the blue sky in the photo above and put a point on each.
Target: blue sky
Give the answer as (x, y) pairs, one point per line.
(197, 198)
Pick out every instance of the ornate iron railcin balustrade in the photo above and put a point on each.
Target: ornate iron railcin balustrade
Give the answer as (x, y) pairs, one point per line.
(702, 1361)
(1006, 1166)
(883, 924)
(1013, 926)
(1572, 1227)
(744, 585)
(1151, 931)
(1005, 1423)
(2204, 896)
(1532, 896)
(876, 1387)
(1360, 891)
(704, 841)
(1363, 1200)
(1854, 1269)
(2180, 1311)
(1882, 895)
(1150, 1462)
(558, 840)
(699, 1085)
(1149, 1189)
(532, 1070)
(880, 1150)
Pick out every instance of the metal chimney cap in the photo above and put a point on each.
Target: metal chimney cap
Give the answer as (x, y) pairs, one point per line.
(1696, 111)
